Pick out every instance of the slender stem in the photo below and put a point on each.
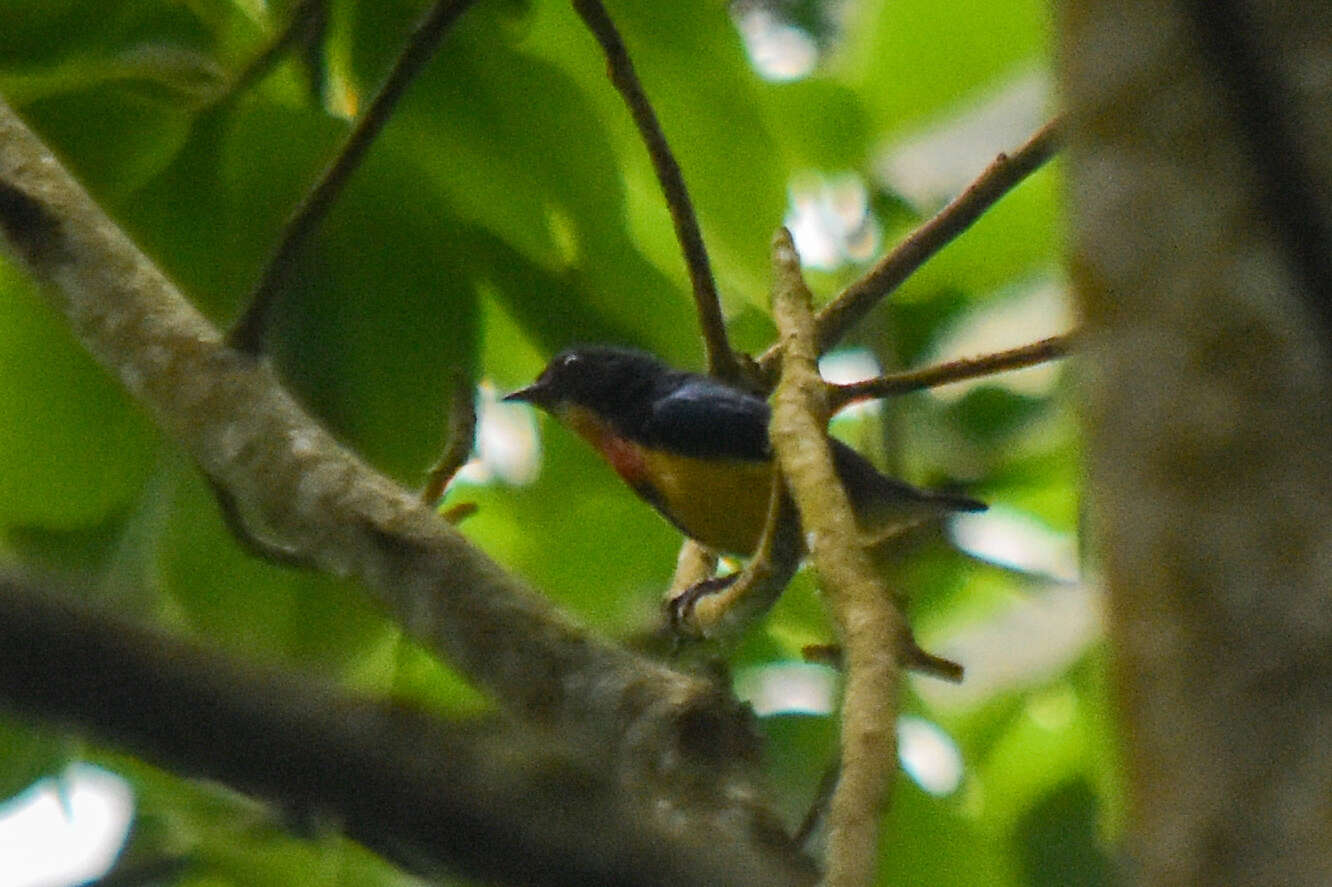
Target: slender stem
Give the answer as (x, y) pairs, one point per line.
(248, 333)
(721, 360)
(952, 371)
(307, 25)
(249, 539)
(913, 658)
(458, 443)
(1000, 177)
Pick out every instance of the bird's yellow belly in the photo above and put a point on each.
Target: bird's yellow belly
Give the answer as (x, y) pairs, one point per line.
(720, 503)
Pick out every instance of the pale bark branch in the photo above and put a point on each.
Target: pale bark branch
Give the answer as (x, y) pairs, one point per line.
(874, 634)
(328, 507)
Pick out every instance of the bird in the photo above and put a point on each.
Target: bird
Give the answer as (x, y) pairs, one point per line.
(696, 448)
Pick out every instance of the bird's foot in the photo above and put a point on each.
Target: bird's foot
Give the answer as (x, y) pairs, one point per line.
(680, 609)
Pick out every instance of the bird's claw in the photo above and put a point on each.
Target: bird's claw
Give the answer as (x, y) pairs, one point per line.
(680, 609)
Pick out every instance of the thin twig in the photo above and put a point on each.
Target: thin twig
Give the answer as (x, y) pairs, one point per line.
(1000, 177)
(818, 807)
(913, 658)
(721, 360)
(458, 442)
(922, 662)
(952, 371)
(456, 514)
(248, 333)
(273, 552)
(308, 22)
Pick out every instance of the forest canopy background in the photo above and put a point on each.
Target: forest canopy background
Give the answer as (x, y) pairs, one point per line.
(509, 211)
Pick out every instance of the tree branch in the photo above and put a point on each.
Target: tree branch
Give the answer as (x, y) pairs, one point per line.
(1206, 411)
(952, 371)
(874, 634)
(1287, 187)
(490, 802)
(1000, 177)
(253, 543)
(246, 432)
(721, 359)
(460, 438)
(306, 27)
(247, 335)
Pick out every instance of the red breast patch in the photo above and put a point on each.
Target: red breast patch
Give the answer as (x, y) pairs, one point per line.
(625, 456)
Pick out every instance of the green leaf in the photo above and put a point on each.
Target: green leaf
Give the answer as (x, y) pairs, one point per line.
(239, 601)
(910, 59)
(928, 840)
(27, 755)
(1059, 843)
(74, 447)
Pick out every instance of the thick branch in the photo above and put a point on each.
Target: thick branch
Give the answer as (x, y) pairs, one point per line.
(479, 800)
(1209, 461)
(248, 434)
(1284, 179)
(248, 333)
(1000, 177)
(721, 360)
(874, 634)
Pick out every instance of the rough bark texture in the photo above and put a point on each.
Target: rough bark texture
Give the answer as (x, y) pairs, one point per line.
(251, 437)
(1210, 420)
(691, 744)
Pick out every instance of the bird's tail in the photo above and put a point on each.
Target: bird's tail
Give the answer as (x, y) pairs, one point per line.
(953, 501)
(884, 504)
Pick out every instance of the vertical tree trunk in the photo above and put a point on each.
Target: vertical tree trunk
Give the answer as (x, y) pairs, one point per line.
(1201, 192)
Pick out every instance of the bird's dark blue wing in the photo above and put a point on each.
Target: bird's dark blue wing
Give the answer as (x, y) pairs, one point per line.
(702, 417)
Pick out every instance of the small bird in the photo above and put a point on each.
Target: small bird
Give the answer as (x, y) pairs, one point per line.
(697, 450)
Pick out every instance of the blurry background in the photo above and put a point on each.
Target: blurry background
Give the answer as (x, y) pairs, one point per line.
(509, 211)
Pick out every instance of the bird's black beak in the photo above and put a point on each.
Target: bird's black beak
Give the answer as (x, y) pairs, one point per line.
(536, 394)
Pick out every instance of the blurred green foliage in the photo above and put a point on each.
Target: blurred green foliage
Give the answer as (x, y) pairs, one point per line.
(509, 210)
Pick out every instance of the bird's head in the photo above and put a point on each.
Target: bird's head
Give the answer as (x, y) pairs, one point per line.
(614, 383)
